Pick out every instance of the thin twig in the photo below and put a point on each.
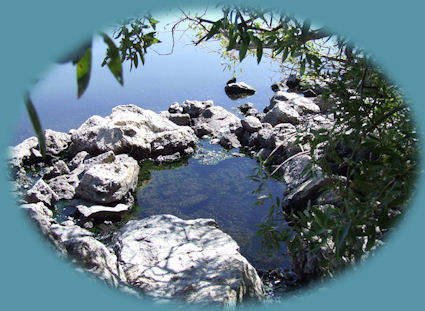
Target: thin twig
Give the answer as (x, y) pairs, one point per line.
(288, 159)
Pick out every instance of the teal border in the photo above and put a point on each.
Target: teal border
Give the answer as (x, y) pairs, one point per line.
(36, 32)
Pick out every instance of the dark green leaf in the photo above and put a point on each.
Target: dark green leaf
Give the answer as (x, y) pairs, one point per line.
(259, 50)
(83, 71)
(36, 125)
(114, 60)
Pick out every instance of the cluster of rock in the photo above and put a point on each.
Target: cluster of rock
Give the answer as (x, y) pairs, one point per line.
(94, 170)
(279, 136)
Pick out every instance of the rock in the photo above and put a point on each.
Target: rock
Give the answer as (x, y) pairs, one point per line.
(195, 107)
(218, 119)
(292, 81)
(60, 234)
(282, 112)
(41, 215)
(132, 130)
(58, 168)
(109, 182)
(104, 158)
(251, 124)
(94, 210)
(56, 142)
(280, 96)
(197, 264)
(64, 186)
(239, 88)
(41, 192)
(24, 154)
(96, 258)
(168, 158)
(175, 108)
(78, 159)
(252, 112)
(180, 118)
(229, 141)
(304, 105)
(202, 129)
(309, 190)
(245, 107)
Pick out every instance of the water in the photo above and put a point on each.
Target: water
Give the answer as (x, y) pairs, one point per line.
(195, 189)
(190, 72)
(222, 191)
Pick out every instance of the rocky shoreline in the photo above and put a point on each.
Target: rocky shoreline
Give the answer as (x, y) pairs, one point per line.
(94, 169)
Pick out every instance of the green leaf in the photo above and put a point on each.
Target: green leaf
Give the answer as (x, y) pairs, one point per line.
(83, 71)
(259, 50)
(242, 50)
(341, 237)
(153, 22)
(114, 61)
(36, 125)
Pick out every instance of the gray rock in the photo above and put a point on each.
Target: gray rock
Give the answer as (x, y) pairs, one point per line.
(251, 124)
(202, 129)
(219, 120)
(24, 154)
(195, 107)
(41, 192)
(94, 210)
(41, 215)
(64, 186)
(252, 112)
(104, 158)
(229, 141)
(168, 158)
(180, 118)
(281, 96)
(61, 234)
(239, 88)
(304, 105)
(197, 264)
(245, 107)
(56, 142)
(175, 108)
(58, 168)
(109, 182)
(132, 130)
(96, 258)
(282, 112)
(78, 159)
(309, 190)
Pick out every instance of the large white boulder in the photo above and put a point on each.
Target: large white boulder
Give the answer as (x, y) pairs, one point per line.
(188, 260)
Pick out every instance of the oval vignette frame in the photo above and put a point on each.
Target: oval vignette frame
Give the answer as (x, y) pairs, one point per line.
(37, 278)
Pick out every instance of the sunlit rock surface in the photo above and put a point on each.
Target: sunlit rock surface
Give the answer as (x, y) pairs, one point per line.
(189, 260)
(132, 130)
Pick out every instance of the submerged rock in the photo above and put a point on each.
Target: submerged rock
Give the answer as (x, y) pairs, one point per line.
(198, 263)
